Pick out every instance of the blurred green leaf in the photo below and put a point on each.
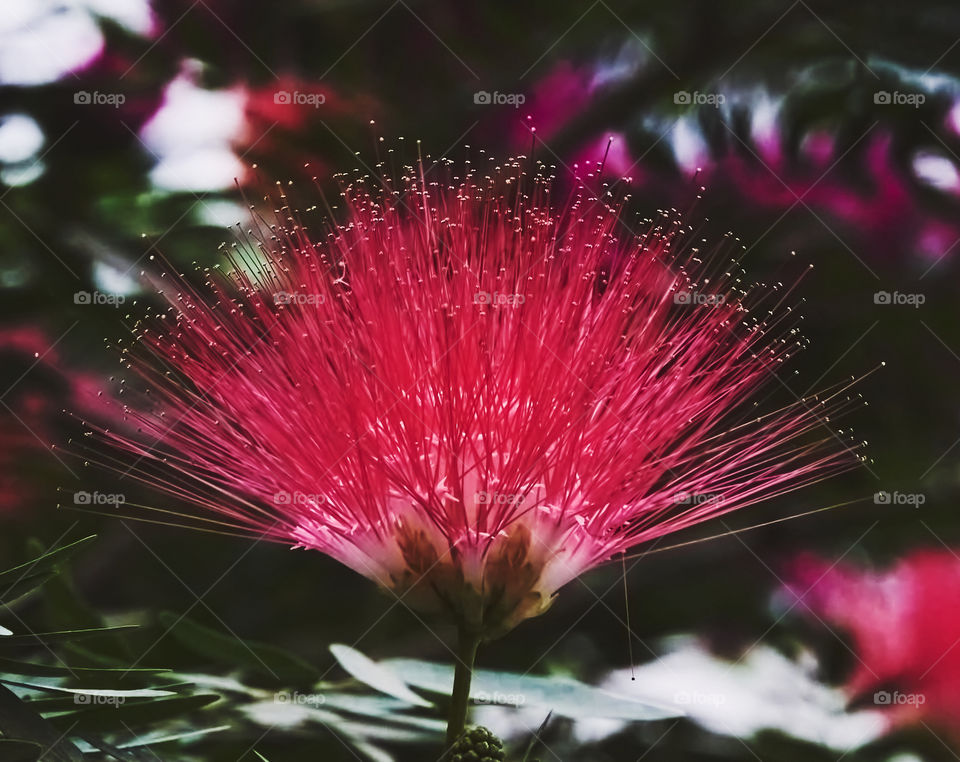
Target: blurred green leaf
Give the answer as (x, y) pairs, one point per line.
(18, 720)
(46, 563)
(15, 750)
(562, 695)
(226, 649)
(42, 638)
(375, 675)
(92, 692)
(131, 714)
(16, 667)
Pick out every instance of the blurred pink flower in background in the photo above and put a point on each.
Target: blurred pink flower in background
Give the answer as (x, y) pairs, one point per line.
(554, 100)
(885, 214)
(37, 384)
(905, 627)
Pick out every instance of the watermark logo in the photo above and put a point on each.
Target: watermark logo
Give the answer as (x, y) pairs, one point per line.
(497, 299)
(299, 699)
(296, 297)
(498, 498)
(696, 498)
(296, 98)
(485, 98)
(96, 98)
(695, 297)
(896, 98)
(896, 298)
(695, 698)
(87, 699)
(98, 298)
(98, 498)
(499, 698)
(896, 698)
(696, 98)
(299, 498)
(916, 499)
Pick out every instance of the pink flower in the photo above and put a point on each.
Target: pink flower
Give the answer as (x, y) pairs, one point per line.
(467, 395)
(554, 102)
(36, 382)
(905, 625)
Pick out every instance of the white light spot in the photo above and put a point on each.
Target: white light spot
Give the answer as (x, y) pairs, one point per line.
(689, 147)
(937, 171)
(24, 173)
(41, 41)
(20, 138)
(191, 135)
(112, 280)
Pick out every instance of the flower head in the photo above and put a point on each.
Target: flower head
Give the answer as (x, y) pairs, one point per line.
(467, 394)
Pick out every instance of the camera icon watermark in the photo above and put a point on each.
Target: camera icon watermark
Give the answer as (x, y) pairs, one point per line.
(696, 498)
(916, 499)
(299, 699)
(99, 498)
(695, 698)
(897, 298)
(500, 699)
(896, 698)
(88, 699)
(98, 298)
(296, 98)
(296, 297)
(896, 98)
(498, 498)
(96, 98)
(486, 98)
(695, 297)
(696, 98)
(299, 498)
(497, 299)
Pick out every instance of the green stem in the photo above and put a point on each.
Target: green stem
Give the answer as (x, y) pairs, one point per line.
(467, 644)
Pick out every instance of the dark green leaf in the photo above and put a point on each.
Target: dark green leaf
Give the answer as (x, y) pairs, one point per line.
(48, 562)
(16, 750)
(20, 588)
(108, 675)
(18, 720)
(38, 638)
(110, 717)
(259, 657)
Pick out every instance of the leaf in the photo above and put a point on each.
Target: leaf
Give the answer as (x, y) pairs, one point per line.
(228, 649)
(92, 692)
(113, 674)
(17, 750)
(150, 739)
(375, 675)
(536, 739)
(42, 638)
(44, 564)
(562, 695)
(21, 588)
(18, 720)
(63, 608)
(117, 717)
(372, 752)
(381, 707)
